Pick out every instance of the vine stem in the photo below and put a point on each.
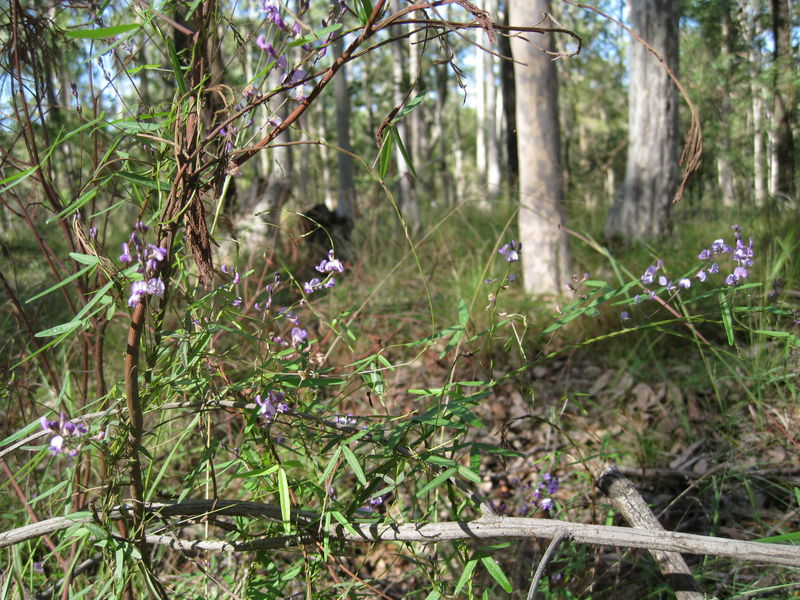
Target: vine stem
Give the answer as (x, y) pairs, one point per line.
(136, 421)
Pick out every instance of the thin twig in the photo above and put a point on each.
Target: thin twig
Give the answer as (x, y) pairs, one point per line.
(548, 554)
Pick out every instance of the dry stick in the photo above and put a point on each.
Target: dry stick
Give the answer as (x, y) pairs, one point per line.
(136, 421)
(501, 527)
(629, 502)
(548, 554)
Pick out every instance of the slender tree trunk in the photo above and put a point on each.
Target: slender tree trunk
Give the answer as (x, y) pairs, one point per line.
(480, 109)
(345, 207)
(492, 148)
(785, 95)
(544, 243)
(748, 26)
(725, 176)
(509, 103)
(642, 208)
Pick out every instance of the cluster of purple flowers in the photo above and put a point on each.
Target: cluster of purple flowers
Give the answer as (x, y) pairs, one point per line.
(326, 267)
(533, 498)
(65, 431)
(742, 255)
(149, 257)
(542, 496)
(270, 405)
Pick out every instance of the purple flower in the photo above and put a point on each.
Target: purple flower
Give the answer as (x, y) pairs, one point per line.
(705, 254)
(309, 287)
(272, 12)
(730, 280)
(685, 283)
(740, 273)
(125, 257)
(138, 289)
(330, 265)
(702, 275)
(271, 405)
(713, 269)
(650, 273)
(546, 504)
(624, 316)
(92, 232)
(274, 121)
(56, 444)
(38, 567)
(155, 287)
(299, 337)
(663, 281)
(550, 483)
(719, 247)
(294, 78)
(510, 251)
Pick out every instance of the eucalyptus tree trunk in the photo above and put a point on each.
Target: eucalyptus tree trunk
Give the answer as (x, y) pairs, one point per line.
(345, 206)
(725, 175)
(492, 150)
(511, 162)
(642, 207)
(748, 26)
(544, 243)
(785, 95)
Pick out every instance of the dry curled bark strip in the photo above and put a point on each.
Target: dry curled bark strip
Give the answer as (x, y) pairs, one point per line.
(629, 502)
(498, 527)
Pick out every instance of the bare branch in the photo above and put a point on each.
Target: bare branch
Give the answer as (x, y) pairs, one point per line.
(497, 527)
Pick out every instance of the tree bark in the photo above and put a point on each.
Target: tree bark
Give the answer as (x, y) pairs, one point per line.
(541, 215)
(509, 103)
(784, 101)
(345, 206)
(492, 148)
(642, 207)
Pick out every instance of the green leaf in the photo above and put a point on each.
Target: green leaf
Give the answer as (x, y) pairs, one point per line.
(465, 575)
(343, 522)
(286, 503)
(410, 106)
(496, 572)
(727, 316)
(61, 283)
(59, 329)
(319, 34)
(403, 151)
(100, 33)
(385, 156)
(353, 462)
(434, 595)
(463, 313)
(148, 182)
(84, 259)
(258, 472)
(331, 464)
(437, 481)
(469, 474)
(364, 10)
(177, 69)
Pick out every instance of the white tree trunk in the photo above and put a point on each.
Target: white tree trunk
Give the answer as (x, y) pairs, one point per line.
(642, 207)
(544, 243)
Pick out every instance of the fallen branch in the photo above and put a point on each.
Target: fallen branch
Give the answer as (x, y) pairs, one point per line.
(493, 527)
(629, 502)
